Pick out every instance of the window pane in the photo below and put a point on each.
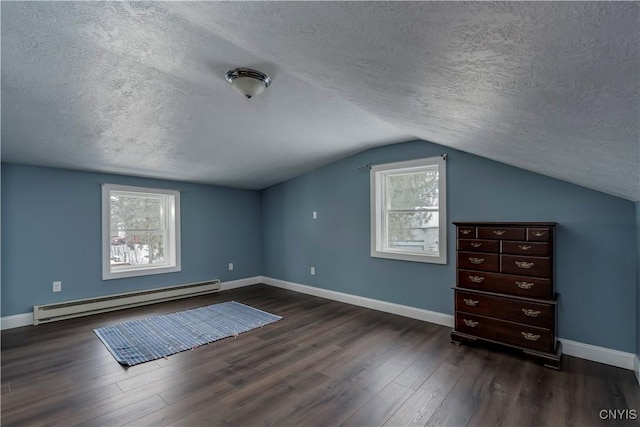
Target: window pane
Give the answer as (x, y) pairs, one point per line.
(408, 210)
(140, 231)
(413, 231)
(136, 212)
(410, 191)
(138, 248)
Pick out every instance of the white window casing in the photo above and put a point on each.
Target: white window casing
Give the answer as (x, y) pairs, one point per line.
(426, 236)
(120, 257)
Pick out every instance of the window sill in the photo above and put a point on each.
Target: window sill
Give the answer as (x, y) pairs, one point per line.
(109, 275)
(404, 256)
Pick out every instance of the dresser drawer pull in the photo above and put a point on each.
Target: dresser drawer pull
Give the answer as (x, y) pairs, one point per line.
(465, 231)
(523, 264)
(499, 232)
(471, 323)
(524, 247)
(476, 245)
(529, 336)
(539, 233)
(471, 302)
(476, 260)
(476, 279)
(530, 313)
(524, 285)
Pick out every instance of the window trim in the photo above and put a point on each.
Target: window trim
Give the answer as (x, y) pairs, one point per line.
(174, 233)
(376, 188)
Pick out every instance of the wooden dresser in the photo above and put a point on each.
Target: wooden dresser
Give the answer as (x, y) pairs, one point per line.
(505, 287)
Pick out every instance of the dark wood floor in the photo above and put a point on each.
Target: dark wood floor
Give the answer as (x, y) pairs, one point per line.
(324, 364)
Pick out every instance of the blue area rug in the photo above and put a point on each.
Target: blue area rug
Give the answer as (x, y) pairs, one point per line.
(148, 339)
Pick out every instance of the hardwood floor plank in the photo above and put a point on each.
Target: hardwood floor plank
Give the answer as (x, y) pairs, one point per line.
(75, 381)
(275, 402)
(50, 407)
(128, 413)
(324, 364)
(252, 388)
(462, 401)
(190, 401)
(169, 372)
(602, 391)
(424, 402)
(630, 388)
(337, 400)
(209, 416)
(579, 411)
(381, 407)
(426, 362)
(536, 392)
(420, 339)
(215, 350)
(498, 406)
(186, 386)
(351, 362)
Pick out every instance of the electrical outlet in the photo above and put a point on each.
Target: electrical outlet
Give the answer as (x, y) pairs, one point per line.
(313, 271)
(315, 215)
(57, 286)
(230, 266)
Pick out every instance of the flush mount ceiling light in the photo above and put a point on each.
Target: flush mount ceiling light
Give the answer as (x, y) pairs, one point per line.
(248, 82)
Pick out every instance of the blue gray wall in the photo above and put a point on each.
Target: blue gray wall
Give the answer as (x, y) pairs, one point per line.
(596, 258)
(51, 231)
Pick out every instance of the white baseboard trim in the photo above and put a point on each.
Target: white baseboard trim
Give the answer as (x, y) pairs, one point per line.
(240, 283)
(16, 321)
(26, 319)
(594, 353)
(387, 307)
(636, 367)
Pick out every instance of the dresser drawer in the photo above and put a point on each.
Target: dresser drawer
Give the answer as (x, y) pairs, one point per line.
(539, 234)
(479, 261)
(466, 232)
(512, 309)
(506, 284)
(517, 334)
(526, 266)
(503, 233)
(478, 245)
(525, 248)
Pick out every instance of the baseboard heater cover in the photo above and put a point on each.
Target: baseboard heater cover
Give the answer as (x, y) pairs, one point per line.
(84, 307)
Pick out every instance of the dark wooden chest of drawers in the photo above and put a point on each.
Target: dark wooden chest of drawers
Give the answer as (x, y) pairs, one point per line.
(505, 287)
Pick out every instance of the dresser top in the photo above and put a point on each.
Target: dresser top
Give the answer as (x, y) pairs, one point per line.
(508, 224)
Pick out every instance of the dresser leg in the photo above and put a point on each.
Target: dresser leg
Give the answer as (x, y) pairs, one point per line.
(458, 339)
(455, 339)
(551, 360)
(557, 360)
(553, 365)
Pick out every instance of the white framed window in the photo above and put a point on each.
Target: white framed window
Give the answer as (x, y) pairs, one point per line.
(408, 210)
(140, 231)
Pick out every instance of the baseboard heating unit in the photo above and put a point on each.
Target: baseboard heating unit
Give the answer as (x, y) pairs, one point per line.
(84, 307)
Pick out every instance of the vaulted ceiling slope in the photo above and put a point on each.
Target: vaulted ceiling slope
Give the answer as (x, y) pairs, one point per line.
(138, 88)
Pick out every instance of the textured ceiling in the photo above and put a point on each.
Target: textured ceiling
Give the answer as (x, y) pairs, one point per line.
(138, 88)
